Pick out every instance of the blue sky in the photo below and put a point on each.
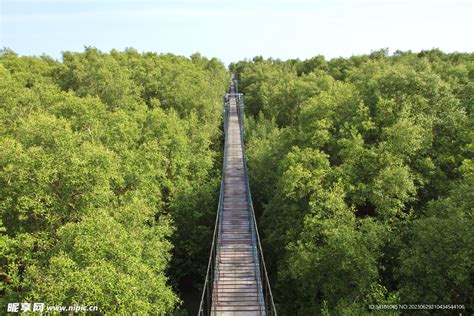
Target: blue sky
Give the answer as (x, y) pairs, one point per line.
(234, 30)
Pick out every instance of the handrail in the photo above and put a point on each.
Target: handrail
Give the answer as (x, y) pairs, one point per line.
(211, 266)
(270, 310)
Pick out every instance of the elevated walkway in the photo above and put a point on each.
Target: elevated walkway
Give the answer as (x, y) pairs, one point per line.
(234, 284)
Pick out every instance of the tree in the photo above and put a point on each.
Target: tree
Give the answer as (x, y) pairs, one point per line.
(100, 167)
(355, 165)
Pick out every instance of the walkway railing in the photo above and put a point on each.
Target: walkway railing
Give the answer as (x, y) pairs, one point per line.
(213, 268)
(266, 291)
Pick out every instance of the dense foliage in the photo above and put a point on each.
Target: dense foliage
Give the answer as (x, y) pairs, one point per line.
(363, 176)
(361, 170)
(108, 177)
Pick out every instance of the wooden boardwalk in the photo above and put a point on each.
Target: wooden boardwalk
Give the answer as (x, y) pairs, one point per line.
(237, 282)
